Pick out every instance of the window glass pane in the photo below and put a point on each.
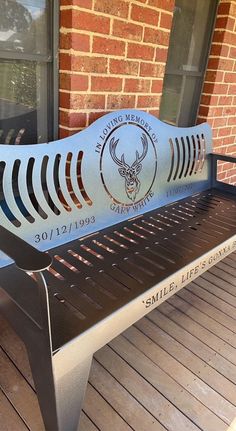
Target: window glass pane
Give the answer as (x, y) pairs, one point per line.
(190, 91)
(171, 99)
(23, 103)
(190, 29)
(23, 26)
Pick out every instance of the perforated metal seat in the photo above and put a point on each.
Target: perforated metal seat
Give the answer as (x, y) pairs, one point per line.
(93, 277)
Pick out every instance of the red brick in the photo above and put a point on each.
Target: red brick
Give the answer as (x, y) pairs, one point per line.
(203, 111)
(127, 30)
(229, 110)
(154, 112)
(223, 9)
(230, 77)
(124, 67)
(144, 14)
(230, 38)
(99, 83)
(82, 101)
(221, 64)
(162, 4)
(63, 133)
(215, 88)
(87, 4)
(112, 7)
(157, 86)
(64, 100)
(232, 52)
(218, 36)
(214, 76)
(215, 111)
(76, 41)
(219, 122)
(232, 121)
(89, 64)
(209, 99)
(152, 69)
(108, 46)
(73, 119)
(219, 50)
(66, 18)
(120, 101)
(225, 22)
(65, 61)
(159, 37)
(85, 21)
(93, 116)
(137, 85)
(224, 131)
(141, 51)
(148, 101)
(225, 100)
(73, 82)
(161, 54)
(166, 20)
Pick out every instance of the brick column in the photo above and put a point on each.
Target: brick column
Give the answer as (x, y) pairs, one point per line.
(112, 56)
(218, 101)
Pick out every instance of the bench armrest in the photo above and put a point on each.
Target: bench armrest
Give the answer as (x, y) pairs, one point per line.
(216, 183)
(223, 157)
(26, 257)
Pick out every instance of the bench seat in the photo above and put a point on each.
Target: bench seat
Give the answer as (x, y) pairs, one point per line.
(91, 278)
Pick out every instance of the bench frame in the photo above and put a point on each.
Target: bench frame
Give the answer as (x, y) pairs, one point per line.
(61, 375)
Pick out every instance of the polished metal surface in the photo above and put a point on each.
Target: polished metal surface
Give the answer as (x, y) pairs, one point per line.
(128, 216)
(94, 277)
(125, 163)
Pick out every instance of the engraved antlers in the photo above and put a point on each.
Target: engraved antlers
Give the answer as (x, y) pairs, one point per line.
(121, 162)
(130, 173)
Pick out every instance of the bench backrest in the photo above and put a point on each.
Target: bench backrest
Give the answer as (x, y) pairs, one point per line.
(124, 164)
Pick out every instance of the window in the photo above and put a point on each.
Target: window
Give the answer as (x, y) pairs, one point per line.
(26, 71)
(190, 38)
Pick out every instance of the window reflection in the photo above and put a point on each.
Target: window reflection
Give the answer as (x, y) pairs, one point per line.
(18, 102)
(23, 26)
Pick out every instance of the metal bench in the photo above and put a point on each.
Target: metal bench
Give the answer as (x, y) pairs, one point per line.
(129, 211)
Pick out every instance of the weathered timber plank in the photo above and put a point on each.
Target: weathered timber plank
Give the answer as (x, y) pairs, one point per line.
(186, 357)
(194, 410)
(200, 349)
(223, 289)
(226, 266)
(169, 416)
(203, 320)
(218, 316)
(102, 413)
(224, 349)
(20, 394)
(9, 419)
(196, 288)
(15, 349)
(194, 385)
(121, 400)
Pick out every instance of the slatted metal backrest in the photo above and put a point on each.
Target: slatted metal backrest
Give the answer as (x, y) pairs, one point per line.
(124, 164)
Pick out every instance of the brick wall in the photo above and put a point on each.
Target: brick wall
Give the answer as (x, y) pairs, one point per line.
(112, 56)
(218, 101)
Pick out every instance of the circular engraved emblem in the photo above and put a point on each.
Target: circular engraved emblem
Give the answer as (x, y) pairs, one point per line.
(128, 164)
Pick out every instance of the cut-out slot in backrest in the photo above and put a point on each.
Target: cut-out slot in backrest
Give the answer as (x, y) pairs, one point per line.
(187, 155)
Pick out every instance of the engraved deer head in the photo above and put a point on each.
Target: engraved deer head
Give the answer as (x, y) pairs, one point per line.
(130, 173)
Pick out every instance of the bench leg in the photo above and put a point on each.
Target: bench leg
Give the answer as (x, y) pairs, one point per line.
(60, 387)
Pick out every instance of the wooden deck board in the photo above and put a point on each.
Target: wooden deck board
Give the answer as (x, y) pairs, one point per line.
(173, 370)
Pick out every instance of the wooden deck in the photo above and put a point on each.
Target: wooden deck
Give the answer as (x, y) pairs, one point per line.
(173, 370)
